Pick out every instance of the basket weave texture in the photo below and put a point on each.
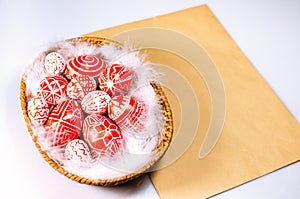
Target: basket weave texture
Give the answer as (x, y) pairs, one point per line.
(160, 148)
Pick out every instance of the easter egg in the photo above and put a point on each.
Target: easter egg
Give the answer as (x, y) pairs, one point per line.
(55, 64)
(102, 135)
(128, 113)
(79, 86)
(115, 79)
(95, 102)
(84, 65)
(38, 111)
(64, 123)
(77, 151)
(53, 89)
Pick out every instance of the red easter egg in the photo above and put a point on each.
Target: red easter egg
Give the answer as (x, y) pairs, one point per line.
(55, 64)
(115, 79)
(38, 110)
(95, 102)
(77, 151)
(102, 135)
(80, 86)
(84, 65)
(64, 123)
(128, 113)
(53, 89)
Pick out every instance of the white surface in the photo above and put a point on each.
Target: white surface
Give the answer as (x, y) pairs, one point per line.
(267, 32)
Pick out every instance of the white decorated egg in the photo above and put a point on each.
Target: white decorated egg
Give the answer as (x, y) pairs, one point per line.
(95, 102)
(38, 110)
(55, 64)
(77, 151)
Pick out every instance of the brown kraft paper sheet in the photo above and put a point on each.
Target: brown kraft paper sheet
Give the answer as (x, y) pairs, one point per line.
(259, 133)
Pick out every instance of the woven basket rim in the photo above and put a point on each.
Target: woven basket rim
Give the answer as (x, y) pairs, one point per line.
(166, 138)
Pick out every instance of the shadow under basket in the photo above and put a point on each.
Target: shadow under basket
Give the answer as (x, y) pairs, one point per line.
(159, 150)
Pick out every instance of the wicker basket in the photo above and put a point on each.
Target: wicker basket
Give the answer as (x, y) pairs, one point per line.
(160, 149)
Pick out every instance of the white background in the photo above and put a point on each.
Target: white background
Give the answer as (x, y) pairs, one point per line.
(268, 32)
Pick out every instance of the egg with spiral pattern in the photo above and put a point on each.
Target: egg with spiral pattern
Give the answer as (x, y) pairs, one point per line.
(84, 65)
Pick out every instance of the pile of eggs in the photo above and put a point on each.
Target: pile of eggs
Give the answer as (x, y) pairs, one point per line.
(83, 107)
